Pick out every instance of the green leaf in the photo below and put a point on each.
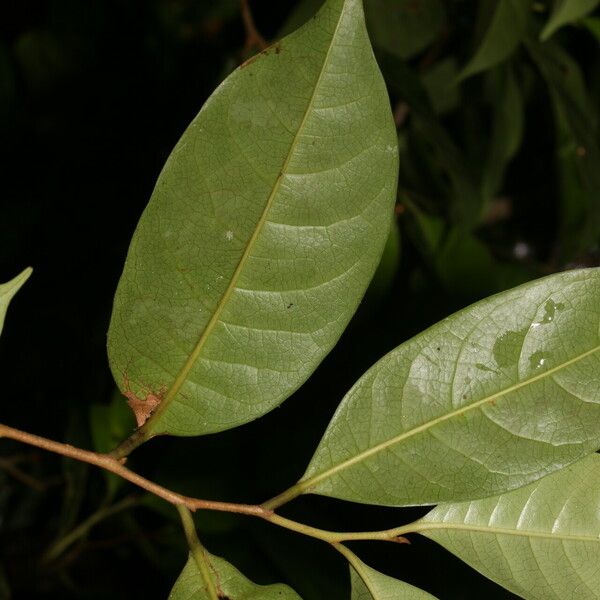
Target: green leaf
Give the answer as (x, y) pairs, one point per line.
(230, 583)
(263, 231)
(388, 267)
(466, 201)
(8, 291)
(541, 542)
(565, 12)
(578, 149)
(404, 27)
(489, 399)
(441, 86)
(506, 30)
(300, 14)
(507, 131)
(593, 26)
(369, 584)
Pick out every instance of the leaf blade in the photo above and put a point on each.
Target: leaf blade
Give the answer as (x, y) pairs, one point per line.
(229, 581)
(8, 291)
(530, 540)
(288, 251)
(506, 30)
(485, 401)
(369, 584)
(565, 12)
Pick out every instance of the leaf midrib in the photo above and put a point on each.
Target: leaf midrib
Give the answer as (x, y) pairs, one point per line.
(311, 482)
(191, 361)
(419, 528)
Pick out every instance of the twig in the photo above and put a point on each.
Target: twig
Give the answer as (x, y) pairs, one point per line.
(84, 527)
(264, 511)
(254, 40)
(9, 465)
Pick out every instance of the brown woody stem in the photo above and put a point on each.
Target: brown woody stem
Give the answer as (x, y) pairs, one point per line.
(116, 466)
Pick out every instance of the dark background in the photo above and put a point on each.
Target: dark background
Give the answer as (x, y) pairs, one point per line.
(93, 96)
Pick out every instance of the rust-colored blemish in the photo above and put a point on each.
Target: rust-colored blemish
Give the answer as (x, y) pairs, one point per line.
(142, 407)
(276, 46)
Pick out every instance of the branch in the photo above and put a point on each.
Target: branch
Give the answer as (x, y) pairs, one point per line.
(264, 511)
(254, 40)
(107, 462)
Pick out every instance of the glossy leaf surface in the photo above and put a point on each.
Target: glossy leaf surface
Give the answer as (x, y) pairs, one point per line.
(263, 231)
(489, 399)
(369, 584)
(229, 582)
(8, 291)
(567, 11)
(506, 30)
(541, 542)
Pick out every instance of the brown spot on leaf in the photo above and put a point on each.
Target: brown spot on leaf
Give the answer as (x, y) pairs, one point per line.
(142, 407)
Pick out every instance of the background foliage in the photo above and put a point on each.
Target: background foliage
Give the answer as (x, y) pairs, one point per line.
(499, 183)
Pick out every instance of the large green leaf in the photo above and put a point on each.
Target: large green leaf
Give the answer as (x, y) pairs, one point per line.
(541, 542)
(262, 233)
(567, 11)
(229, 582)
(506, 30)
(369, 584)
(489, 399)
(8, 291)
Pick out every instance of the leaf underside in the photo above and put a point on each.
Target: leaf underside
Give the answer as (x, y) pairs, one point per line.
(489, 399)
(229, 582)
(369, 584)
(264, 229)
(541, 542)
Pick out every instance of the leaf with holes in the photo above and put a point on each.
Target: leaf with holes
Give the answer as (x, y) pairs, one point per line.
(369, 584)
(541, 542)
(264, 229)
(228, 582)
(489, 399)
(8, 291)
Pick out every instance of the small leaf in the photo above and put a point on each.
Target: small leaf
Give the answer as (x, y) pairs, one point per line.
(265, 227)
(506, 30)
(540, 542)
(507, 131)
(593, 26)
(489, 399)
(369, 584)
(404, 27)
(9, 289)
(466, 200)
(567, 11)
(230, 583)
(441, 86)
(577, 122)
